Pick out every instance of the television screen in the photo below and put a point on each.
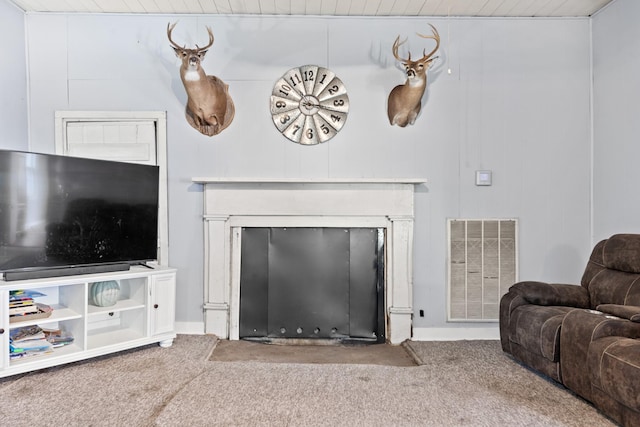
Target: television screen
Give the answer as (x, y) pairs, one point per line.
(59, 211)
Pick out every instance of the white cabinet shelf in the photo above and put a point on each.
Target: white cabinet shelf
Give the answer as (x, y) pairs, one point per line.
(122, 305)
(143, 314)
(60, 313)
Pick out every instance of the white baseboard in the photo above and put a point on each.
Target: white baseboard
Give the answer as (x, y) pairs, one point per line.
(190, 328)
(455, 334)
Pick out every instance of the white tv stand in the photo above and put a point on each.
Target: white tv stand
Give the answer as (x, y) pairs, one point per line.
(144, 314)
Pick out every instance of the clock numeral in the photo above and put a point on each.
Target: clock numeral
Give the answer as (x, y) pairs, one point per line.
(308, 75)
(309, 133)
(335, 103)
(324, 130)
(333, 119)
(333, 89)
(294, 128)
(324, 78)
(280, 104)
(282, 91)
(293, 82)
(284, 119)
(285, 89)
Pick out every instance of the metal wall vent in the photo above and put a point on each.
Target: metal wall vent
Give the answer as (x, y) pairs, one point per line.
(482, 264)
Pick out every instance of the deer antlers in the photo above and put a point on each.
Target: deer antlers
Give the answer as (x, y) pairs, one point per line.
(425, 57)
(170, 28)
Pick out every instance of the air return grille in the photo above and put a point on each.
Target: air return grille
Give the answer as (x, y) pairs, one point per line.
(483, 264)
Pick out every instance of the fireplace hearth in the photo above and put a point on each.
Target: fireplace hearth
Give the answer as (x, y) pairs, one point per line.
(232, 205)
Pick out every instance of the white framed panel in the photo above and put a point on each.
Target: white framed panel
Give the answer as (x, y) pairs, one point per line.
(126, 136)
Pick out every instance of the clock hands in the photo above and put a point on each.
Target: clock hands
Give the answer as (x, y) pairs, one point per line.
(310, 103)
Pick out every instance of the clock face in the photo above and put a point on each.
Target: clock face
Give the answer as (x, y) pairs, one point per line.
(309, 104)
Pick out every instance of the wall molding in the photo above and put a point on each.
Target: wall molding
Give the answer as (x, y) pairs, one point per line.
(189, 328)
(456, 334)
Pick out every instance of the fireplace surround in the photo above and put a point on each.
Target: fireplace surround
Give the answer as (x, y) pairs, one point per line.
(233, 203)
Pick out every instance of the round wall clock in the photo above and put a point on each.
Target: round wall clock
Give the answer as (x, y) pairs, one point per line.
(309, 104)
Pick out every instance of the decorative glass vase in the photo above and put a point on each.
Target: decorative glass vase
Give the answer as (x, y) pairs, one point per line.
(104, 294)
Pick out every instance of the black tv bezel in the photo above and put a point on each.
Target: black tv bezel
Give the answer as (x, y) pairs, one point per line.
(72, 269)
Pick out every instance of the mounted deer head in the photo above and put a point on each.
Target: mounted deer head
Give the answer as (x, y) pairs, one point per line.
(210, 108)
(404, 102)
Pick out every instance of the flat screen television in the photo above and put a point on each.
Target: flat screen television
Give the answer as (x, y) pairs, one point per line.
(63, 215)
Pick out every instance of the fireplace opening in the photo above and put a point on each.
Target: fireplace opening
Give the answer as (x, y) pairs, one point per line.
(312, 284)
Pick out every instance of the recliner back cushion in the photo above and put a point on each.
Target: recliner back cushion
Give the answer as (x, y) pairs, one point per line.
(622, 252)
(595, 264)
(612, 275)
(614, 287)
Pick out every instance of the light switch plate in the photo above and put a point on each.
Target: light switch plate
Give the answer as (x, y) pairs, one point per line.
(483, 177)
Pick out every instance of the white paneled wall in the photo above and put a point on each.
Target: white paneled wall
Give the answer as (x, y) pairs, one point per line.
(515, 102)
(13, 81)
(616, 66)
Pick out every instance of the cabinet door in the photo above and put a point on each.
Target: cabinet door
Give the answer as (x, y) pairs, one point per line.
(163, 305)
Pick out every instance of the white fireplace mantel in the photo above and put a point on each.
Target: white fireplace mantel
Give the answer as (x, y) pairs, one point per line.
(222, 180)
(233, 203)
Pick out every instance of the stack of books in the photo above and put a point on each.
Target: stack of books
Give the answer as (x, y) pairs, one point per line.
(28, 341)
(22, 306)
(34, 340)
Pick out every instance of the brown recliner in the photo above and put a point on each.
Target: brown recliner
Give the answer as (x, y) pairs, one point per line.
(586, 336)
(600, 359)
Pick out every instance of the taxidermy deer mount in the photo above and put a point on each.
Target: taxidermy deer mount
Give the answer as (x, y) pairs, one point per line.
(405, 100)
(210, 108)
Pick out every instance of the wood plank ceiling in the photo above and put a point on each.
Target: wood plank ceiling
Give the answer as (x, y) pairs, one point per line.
(486, 8)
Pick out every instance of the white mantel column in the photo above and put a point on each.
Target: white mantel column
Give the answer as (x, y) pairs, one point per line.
(400, 279)
(216, 296)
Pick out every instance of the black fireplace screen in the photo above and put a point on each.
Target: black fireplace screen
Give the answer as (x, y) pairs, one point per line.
(312, 283)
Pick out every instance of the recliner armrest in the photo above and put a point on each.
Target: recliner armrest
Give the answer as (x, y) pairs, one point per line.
(612, 326)
(630, 312)
(540, 293)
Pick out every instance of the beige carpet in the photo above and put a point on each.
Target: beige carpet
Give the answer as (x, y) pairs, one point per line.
(462, 383)
(372, 354)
